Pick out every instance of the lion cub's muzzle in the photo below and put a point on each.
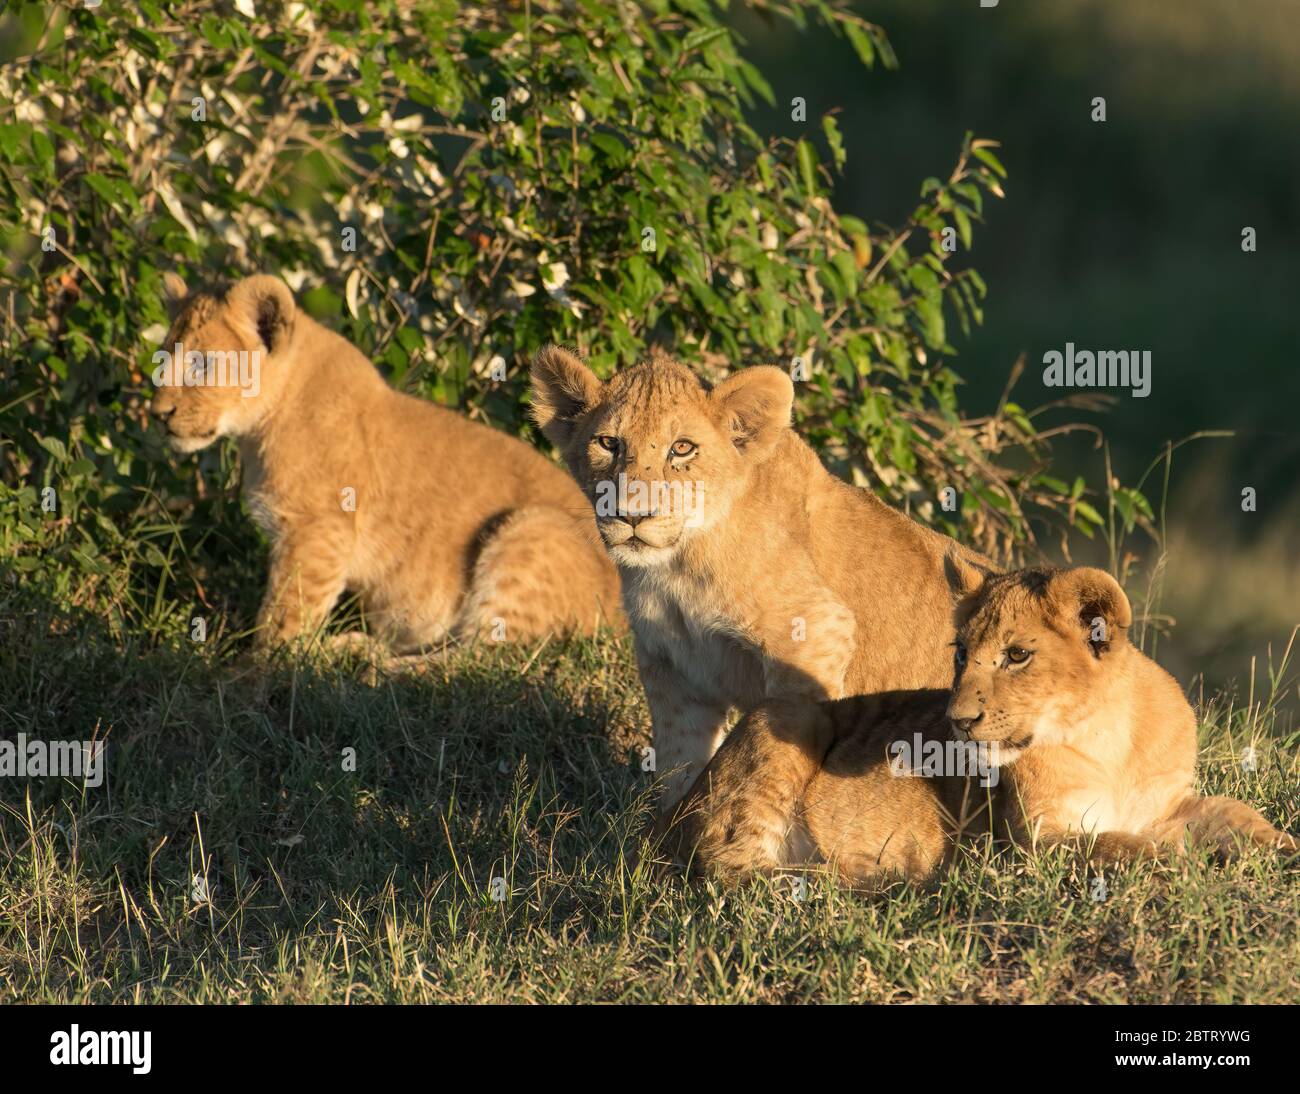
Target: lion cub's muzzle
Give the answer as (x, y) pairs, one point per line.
(179, 437)
(966, 713)
(997, 731)
(636, 530)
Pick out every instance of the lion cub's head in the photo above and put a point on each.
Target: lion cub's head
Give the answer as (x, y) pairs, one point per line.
(1036, 653)
(660, 454)
(211, 372)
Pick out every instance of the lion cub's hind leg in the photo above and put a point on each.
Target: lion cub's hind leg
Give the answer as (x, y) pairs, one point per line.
(741, 816)
(536, 574)
(1223, 825)
(1229, 826)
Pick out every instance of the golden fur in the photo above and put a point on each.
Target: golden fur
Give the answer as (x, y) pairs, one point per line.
(1091, 741)
(749, 571)
(441, 526)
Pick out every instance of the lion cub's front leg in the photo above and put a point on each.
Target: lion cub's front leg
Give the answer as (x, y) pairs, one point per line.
(807, 644)
(687, 729)
(741, 813)
(308, 574)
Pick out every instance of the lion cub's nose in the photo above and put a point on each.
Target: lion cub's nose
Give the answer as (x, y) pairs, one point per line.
(968, 724)
(162, 413)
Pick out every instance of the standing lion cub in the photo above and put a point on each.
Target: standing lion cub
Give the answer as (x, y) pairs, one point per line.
(750, 572)
(443, 527)
(1056, 728)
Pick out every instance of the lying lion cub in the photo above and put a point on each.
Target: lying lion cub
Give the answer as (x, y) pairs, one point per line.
(443, 527)
(750, 572)
(1084, 736)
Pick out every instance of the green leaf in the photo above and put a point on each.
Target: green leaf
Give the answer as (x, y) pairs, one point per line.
(698, 39)
(807, 167)
(987, 156)
(42, 149)
(848, 271)
(11, 139)
(861, 43)
(54, 447)
(613, 148)
(757, 82)
(833, 138)
(102, 186)
(1087, 511)
(1126, 509)
(963, 225)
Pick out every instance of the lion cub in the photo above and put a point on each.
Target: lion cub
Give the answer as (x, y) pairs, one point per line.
(1055, 728)
(443, 527)
(750, 572)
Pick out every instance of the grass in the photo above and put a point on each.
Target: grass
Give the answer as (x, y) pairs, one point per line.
(376, 885)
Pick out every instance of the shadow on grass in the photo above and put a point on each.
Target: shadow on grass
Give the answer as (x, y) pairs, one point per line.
(295, 794)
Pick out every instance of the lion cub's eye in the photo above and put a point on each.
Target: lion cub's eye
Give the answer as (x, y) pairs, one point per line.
(683, 448)
(959, 653)
(1018, 655)
(608, 443)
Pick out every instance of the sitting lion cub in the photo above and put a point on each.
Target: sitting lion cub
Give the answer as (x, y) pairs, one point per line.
(443, 527)
(1084, 736)
(750, 572)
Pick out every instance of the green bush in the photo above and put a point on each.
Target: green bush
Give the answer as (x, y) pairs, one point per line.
(452, 186)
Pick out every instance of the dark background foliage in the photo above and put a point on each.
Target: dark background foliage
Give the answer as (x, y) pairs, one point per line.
(1124, 233)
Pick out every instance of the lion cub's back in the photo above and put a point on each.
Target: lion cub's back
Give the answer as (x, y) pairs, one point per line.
(454, 467)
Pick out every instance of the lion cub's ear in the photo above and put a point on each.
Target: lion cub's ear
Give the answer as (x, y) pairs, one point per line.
(174, 292)
(964, 577)
(563, 389)
(266, 303)
(755, 404)
(1095, 599)
(174, 287)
